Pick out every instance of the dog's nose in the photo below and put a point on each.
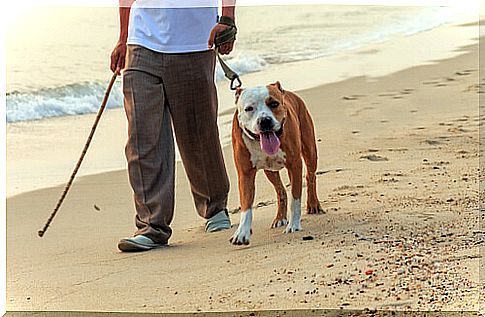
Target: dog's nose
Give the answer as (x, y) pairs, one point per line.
(265, 124)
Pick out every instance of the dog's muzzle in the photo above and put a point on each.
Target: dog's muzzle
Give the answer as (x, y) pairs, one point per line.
(265, 124)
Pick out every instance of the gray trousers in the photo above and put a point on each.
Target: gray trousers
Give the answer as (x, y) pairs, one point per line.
(161, 90)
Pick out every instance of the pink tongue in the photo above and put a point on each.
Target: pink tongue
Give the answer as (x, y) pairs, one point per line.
(269, 142)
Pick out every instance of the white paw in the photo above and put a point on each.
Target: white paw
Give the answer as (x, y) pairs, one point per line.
(295, 218)
(241, 236)
(279, 223)
(293, 227)
(243, 231)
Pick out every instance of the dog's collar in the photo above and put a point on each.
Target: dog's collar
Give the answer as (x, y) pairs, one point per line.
(255, 137)
(250, 135)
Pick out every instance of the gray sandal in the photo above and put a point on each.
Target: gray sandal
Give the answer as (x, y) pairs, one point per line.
(218, 222)
(138, 243)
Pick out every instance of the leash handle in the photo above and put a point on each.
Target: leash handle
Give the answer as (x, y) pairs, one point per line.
(78, 165)
(229, 73)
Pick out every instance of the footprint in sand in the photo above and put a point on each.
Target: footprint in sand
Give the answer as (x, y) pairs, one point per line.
(374, 158)
(358, 111)
(431, 82)
(432, 142)
(459, 130)
(328, 171)
(398, 174)
(265, 203)
(407, 91)
(349, 98)
(474, 88)
(352, 97)
(388, 94)
(462, 153)
(403, 149)
(465, 72)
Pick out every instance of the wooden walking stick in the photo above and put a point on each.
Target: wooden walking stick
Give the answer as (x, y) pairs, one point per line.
(78, 165)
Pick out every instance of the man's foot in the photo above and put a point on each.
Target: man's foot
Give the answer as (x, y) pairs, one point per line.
(138, 243)
(218, 222)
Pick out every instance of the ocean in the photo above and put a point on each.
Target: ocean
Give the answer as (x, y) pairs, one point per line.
(58, 57)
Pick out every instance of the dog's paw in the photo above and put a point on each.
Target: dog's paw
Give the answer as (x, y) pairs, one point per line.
(279, 223)
(293, 227)
(315, 209)
(241, 236)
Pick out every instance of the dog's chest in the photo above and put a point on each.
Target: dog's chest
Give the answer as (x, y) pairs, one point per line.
(260, 160)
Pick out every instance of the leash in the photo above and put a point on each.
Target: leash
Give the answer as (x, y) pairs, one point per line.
(229, 73)
(78, 165)
(227, 35)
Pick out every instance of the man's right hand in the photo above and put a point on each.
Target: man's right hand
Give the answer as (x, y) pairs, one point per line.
(118, 57)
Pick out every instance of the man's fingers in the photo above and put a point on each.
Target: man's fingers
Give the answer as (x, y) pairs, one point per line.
(121, 65)
(226, 48)
(210, 43)
(114, 61)
(118, 58)
(223, 49)
(230, 46)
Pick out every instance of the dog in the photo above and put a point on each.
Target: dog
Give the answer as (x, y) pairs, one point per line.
(273, 129)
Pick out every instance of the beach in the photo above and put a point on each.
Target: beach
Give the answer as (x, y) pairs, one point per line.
(398, 178)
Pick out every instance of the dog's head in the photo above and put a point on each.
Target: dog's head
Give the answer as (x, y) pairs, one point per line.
(261, 113)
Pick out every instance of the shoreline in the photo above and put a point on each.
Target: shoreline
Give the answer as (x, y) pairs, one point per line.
(34, 161)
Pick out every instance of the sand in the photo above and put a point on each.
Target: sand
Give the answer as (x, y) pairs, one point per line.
(398, 179)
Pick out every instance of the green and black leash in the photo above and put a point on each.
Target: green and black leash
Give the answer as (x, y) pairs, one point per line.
(228, 35)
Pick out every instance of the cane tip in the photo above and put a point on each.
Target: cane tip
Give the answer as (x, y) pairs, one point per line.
(41, 233)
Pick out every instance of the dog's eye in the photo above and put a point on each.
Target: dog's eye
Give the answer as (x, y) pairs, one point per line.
(249, 109)
(273, 104)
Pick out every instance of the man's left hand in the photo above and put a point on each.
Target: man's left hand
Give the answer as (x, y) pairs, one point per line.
(224, 48)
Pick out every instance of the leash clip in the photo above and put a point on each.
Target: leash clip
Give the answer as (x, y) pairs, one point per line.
(233, 80)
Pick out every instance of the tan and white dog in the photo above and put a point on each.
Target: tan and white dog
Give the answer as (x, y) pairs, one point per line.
(272, 129)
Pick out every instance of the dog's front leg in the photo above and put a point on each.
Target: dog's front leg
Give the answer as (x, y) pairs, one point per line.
(246, 194)
(295, 173)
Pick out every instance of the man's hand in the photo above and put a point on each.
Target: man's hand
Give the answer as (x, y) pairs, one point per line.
(118, 57)
(224, 48)
(119, 52)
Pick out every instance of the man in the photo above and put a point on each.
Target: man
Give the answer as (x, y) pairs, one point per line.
(168, 79)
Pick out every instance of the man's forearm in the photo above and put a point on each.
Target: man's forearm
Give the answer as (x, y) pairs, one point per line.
(125, 6)
(228, 8)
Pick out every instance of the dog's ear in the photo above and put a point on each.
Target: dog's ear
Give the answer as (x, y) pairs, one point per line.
(238, 93)
(278, 85)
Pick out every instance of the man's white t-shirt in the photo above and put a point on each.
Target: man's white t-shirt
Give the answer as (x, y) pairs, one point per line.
(172, 26)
